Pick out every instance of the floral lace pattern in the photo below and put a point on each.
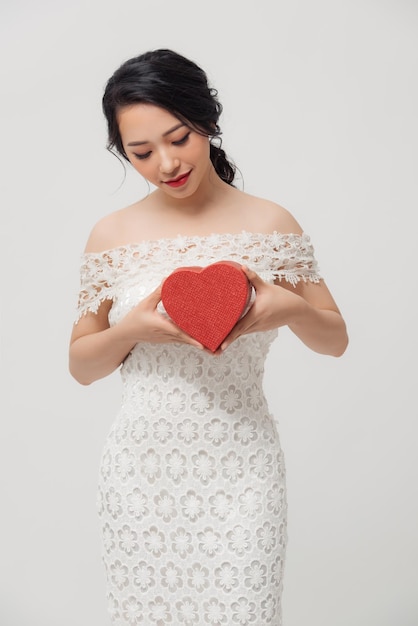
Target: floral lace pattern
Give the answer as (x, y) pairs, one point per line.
(276, 255)
(192, 495)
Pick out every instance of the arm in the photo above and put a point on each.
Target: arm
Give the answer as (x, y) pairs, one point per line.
(96, 349)
(308, 309)
(317, 320)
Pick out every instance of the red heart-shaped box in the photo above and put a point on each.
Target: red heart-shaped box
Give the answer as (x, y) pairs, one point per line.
(207, 302)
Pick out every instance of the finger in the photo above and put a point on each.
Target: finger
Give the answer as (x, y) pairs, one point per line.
(242, 327)
(233, 335)
(157, 292)
(254, 278)
(154, 297)
(193, 342)
(182, 337)
(226, 344)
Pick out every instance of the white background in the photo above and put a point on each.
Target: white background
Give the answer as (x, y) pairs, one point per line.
(320, 114)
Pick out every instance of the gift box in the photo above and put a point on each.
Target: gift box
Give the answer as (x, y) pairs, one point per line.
(206, 302)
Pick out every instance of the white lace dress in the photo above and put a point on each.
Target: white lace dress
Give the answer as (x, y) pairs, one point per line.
(192, 497)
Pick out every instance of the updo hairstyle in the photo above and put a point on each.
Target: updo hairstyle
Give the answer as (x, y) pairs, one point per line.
(170, 81)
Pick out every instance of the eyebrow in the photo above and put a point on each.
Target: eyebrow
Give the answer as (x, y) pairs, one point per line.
(168, 132)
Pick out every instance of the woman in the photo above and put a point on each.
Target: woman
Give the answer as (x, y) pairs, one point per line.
(192, 484)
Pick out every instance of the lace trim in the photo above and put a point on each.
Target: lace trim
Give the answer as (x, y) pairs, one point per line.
(272, 255)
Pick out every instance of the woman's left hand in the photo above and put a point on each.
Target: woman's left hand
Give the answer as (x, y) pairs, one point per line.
(274, 306)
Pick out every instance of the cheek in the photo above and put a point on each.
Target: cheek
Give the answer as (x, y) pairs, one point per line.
(201, 150)
(142, 167)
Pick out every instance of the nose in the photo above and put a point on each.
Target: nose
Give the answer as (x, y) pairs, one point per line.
(168, 162)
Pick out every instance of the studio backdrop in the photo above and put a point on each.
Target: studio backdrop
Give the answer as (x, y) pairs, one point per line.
(320, 115)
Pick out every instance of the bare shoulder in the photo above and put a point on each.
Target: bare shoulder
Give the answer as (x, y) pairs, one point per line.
(109, 231)
(268, 216)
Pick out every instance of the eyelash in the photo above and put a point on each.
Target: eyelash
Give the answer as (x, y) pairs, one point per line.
(142, 156)
(180, 142)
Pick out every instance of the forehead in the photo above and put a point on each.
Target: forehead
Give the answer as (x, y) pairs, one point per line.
(144, 121)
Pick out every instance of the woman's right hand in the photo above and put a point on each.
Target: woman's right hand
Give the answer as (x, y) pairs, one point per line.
(145, 323)
(97, 349)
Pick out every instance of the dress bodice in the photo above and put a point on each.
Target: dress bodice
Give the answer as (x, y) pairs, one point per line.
(128, 273)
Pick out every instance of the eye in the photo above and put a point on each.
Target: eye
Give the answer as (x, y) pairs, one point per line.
(182, 140)
(142, 156)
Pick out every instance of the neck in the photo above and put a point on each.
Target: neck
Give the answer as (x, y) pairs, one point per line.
(210, 192)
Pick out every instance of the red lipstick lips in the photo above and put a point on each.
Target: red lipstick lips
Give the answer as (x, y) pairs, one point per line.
(179, 181)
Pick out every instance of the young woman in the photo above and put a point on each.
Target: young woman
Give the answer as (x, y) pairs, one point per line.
(192, 496)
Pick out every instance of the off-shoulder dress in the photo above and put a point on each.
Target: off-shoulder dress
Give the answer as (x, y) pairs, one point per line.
(192, 495)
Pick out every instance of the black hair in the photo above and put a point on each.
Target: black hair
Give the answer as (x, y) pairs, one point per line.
(173, 82)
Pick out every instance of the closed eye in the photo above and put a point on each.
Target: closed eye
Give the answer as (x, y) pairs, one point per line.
(142, 156)
(179, 142)
(182, 140)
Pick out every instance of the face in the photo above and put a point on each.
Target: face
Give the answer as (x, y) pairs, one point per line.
(168, 153)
